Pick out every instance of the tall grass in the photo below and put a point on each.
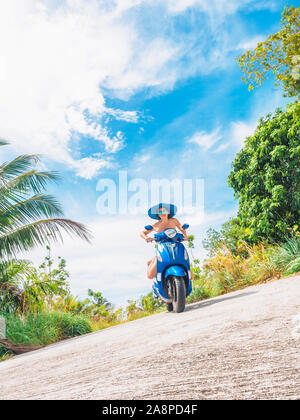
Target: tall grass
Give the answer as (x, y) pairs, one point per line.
(44, 328)
(287, 256)
(226, 271)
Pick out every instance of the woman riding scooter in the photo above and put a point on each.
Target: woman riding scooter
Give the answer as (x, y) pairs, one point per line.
(164, 214)
(170, 269)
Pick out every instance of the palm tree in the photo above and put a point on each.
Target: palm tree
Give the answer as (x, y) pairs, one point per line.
(13, 274)
(28, 217)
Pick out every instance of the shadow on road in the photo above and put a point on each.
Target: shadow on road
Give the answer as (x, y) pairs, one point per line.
(205, 303)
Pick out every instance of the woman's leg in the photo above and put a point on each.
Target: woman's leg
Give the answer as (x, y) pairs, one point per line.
(152, 268)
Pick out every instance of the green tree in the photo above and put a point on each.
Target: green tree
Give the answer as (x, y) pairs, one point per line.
(24, 288)
(28, 217)
(265, 177)
(100, 305)
(230, 235)
(278, 54)
(132, 309)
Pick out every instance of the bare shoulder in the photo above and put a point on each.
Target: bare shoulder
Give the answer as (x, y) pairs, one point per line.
(175, 221)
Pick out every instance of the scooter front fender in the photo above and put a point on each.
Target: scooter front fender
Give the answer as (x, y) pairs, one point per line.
(175, 270)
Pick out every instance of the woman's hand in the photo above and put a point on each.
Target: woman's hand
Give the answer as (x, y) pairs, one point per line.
(148, 239)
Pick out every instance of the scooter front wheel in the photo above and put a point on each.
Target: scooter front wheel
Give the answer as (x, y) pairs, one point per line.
(179, 294)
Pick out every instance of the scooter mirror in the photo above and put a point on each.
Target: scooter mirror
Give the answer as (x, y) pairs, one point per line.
(186, 226)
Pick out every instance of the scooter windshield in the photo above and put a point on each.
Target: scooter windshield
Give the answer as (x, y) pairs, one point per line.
(168, 235)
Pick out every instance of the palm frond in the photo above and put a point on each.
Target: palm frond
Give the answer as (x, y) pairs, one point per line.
(31, 180)
(13, 275)
(26, 211)
(13, 272)
(39, 233)
(20, 213)
(3, 142)
(17, 166)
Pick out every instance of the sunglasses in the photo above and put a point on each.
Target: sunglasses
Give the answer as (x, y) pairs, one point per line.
(162, 212)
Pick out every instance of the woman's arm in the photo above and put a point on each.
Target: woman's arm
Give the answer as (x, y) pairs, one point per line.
(183, 231)
(144, 234)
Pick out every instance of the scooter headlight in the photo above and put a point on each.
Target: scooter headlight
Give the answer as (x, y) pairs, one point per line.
(170, 233)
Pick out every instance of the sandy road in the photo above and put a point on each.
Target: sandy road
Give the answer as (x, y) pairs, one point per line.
(242, 345)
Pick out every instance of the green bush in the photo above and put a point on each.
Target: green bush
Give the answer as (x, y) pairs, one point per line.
(149, 304)
(30, 329)
(70, 325)
(45, 328)
(287, 256)
(197, 294)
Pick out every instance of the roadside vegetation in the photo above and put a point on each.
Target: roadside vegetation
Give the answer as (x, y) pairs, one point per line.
(260, 244)
(227, 270)
(263, 241)
(39, 308)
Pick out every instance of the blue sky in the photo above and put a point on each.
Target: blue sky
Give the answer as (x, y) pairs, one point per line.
(147, 86)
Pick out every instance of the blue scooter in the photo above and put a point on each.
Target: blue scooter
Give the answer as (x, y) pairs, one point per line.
(173, 280)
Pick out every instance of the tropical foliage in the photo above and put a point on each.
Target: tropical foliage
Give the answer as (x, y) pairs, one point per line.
(28, 216)
(40, 309)
(278, 54)
(230, 235)
(23, 287)
(265, 177)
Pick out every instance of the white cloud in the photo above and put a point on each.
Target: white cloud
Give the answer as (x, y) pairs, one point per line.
(53, 71)
(144, 158)
(60, 58)
(206, 140)
(55, 63)
(235, 137)
(240, 130)
(89, 166)
(250, 44)
(128, 116)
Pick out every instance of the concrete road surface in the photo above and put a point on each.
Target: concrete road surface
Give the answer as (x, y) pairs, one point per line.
(244, 345)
